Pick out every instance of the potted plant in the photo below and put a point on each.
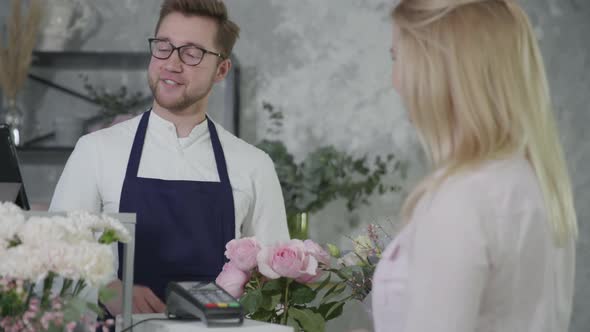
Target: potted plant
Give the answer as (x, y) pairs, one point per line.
(324, 175)
(115, 106)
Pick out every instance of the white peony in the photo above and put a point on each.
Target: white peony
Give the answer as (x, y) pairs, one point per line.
(23, 262)
(40, 230)
(10, 210)
(65, 245)
(100, 223)
(92, 262)
(11, 219)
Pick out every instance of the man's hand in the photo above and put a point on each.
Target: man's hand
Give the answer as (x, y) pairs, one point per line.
(144, 300)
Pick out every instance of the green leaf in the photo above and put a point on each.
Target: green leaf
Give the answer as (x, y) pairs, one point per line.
(270, 302)
(301, 294)
(96, 309)
(334, 291)
(54, 328)
(14, 242)
(252, 301)
(262, 315)
(346, 272)
(324, 283)
(106, 294)
(307, 319)
(273, 286)
(109, 236)
(294, 323)
(331, 310)
(11, 304)
(331, 290)
(74, 310)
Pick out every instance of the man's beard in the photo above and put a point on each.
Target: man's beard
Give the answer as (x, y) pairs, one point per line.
(180, 104)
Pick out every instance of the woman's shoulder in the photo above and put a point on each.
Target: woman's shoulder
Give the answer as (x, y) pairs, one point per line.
(493, 175)
(494, 185)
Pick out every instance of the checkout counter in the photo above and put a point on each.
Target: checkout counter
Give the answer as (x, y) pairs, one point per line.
(159, 323)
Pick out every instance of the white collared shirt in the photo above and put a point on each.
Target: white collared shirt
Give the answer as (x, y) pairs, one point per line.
(477, 256)
(93, 176)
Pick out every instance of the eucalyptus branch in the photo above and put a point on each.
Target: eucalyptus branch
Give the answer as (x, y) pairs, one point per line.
(326, 173)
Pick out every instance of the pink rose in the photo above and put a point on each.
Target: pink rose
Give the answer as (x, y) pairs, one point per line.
(320, 255)
(317, 251)
(232, 279)
(286, 260)
(243, 252)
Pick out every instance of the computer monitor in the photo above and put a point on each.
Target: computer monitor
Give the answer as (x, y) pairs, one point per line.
(9, 166)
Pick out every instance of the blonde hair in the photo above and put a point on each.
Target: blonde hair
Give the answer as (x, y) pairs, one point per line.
(476, 90)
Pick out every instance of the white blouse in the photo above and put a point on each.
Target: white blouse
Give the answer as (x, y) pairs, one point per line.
(93, 176)
(478, 255)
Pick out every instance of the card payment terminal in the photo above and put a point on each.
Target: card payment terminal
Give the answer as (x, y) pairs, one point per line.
(202, 300)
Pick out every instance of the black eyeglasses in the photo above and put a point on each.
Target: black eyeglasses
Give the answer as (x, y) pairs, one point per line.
(190, 55)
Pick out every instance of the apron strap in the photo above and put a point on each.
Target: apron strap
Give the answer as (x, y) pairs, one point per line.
(219, 155)
(137, 148)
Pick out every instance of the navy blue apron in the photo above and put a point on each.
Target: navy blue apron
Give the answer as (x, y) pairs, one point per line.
(182, 226)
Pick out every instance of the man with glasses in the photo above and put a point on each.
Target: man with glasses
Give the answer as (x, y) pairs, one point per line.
(192, 185)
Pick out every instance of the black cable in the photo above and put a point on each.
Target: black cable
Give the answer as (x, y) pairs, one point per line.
(142, 321)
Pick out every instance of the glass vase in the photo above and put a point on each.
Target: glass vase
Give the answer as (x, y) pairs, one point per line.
(298, 225)
(13, 116)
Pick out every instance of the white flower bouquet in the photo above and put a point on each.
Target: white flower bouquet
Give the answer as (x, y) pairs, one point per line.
(72, 252)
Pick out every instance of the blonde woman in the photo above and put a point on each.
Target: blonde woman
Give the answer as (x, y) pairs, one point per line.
(489, 239)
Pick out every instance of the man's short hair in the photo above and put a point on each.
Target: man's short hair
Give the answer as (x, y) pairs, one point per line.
(228, 31)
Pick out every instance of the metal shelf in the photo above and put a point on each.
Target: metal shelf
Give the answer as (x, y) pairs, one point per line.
(96, 60)
(77, 60)
(91, 60)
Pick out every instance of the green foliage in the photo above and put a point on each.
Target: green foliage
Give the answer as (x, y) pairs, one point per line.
(301, 294)
(288, 302)
(16, 298)
(327, 174)
(106, 294)
(308, 320)
(109, 236)
(252, 301)
(11, 303)
(115, 103)
(331, 310)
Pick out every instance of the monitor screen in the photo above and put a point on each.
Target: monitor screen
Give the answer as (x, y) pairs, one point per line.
(9, 166)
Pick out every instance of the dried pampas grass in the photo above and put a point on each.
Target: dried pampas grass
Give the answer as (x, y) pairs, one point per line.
(16, 51)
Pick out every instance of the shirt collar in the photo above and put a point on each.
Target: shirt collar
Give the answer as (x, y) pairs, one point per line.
(161, 125)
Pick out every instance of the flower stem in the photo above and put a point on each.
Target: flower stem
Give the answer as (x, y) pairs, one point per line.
(286, 302)
(47, 283)
(65, 287)
(79, 287)
(29, 294)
